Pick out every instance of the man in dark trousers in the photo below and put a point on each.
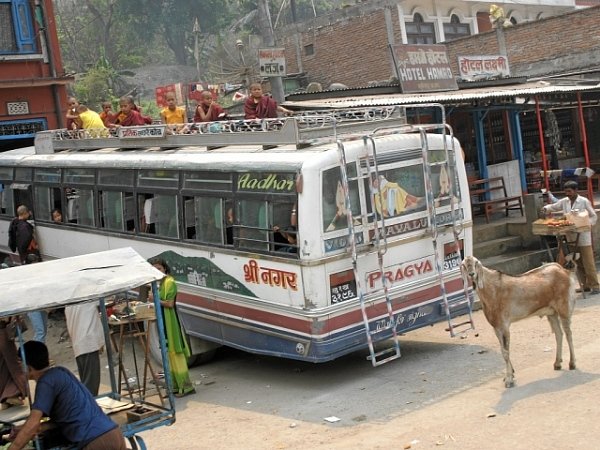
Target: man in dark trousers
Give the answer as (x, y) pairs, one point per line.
(21, 239)
(70, 406)
(20, 236)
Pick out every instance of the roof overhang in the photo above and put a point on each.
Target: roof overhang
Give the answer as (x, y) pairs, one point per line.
(35, 82)
(450, 97)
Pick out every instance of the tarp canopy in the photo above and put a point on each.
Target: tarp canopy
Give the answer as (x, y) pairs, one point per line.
(68, 281)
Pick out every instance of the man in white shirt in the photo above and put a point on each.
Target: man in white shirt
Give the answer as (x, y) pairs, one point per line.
(586, 266)
(87, 337)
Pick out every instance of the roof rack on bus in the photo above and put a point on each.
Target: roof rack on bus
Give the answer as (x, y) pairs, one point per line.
(303, 129)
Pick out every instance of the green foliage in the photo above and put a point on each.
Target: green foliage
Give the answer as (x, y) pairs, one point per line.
(94, 87)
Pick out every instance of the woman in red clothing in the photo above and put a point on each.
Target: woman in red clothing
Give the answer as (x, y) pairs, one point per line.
(259, 106)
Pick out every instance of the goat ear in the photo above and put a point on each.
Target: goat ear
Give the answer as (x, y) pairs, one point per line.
(479, 272)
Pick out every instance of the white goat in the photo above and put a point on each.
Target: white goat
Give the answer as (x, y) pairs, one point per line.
(546, 291)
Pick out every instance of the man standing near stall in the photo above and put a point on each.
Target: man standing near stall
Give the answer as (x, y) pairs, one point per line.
(586, 266)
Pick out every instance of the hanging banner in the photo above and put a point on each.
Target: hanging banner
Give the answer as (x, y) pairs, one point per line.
(423, 68)
(271, 62)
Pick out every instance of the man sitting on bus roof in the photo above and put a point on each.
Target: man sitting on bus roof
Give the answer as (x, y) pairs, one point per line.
(68, 403)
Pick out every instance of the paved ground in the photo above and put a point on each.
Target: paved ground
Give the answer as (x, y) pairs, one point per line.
(443, 393)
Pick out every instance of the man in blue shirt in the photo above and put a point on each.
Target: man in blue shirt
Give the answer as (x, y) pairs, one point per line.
(68, 403)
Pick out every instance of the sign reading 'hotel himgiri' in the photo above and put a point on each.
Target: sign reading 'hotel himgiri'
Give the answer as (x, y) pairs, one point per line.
(423, 68)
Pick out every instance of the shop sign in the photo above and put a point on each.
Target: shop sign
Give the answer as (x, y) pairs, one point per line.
(271, 62)
(486, 67)
(423, 68)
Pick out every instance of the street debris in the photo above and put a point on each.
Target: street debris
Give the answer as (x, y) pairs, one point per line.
(293, 425)
(332, 419)
(491, 415)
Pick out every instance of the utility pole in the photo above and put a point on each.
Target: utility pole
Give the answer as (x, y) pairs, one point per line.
(196, 31)
(266, 27)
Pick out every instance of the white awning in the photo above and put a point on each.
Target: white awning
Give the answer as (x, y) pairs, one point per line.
(68, 281)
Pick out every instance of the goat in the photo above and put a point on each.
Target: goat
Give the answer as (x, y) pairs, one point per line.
(548, 291)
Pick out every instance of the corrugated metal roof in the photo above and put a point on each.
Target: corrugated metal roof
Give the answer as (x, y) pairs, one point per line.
(460, 96)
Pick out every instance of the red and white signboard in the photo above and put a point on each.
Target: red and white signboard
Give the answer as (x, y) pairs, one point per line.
(271, 62)
(483, 67)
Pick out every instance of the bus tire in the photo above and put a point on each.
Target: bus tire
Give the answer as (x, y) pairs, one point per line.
(201, 358)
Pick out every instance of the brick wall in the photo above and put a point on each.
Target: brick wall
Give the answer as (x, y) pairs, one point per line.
(354, 50)
(548, 46)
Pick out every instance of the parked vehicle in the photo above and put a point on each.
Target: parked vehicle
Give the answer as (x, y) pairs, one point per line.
(308, 237)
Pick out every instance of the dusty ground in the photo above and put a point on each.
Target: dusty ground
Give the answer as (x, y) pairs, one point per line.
(546, 408)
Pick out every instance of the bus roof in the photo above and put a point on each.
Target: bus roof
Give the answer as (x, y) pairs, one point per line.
(69, 281)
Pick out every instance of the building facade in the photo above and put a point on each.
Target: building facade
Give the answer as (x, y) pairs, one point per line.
(351, 46)
(32, 79)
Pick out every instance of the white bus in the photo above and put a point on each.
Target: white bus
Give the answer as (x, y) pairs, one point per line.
(307, 238)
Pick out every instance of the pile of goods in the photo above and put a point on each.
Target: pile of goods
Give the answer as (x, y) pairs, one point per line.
(553, 226)
(559, 222)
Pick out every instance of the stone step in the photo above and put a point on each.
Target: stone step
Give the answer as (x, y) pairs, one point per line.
(497, 246)
(486, 231)
(517, 262)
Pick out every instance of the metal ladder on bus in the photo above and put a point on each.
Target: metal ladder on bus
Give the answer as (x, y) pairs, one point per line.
(380, 333)
(460, 327)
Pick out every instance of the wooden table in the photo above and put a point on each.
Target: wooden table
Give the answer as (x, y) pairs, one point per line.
(135, 328)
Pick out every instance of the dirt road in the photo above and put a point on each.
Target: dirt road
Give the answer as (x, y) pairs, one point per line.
(443, 393)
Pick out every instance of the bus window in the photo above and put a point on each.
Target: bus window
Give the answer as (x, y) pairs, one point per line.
(285, 227)
(334, 200)
(46, 200)
(204, 219)
(47, 193)
(252, 224)
(158, 214)
(7, 200)
(117, 210)
(80, 206)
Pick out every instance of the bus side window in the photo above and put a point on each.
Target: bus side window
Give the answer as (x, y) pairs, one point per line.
(159, 215)
(80, 206)
(203, 219)
(285, 222)
(117, 211)
(7, 201)
(147, 213)
(253, 229)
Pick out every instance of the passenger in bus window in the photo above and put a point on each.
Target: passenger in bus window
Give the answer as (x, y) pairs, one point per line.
(57, 215)
(286, 239)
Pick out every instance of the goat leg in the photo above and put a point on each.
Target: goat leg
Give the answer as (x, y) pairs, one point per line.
(504, 338)
(566, 323)
(555, 324)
